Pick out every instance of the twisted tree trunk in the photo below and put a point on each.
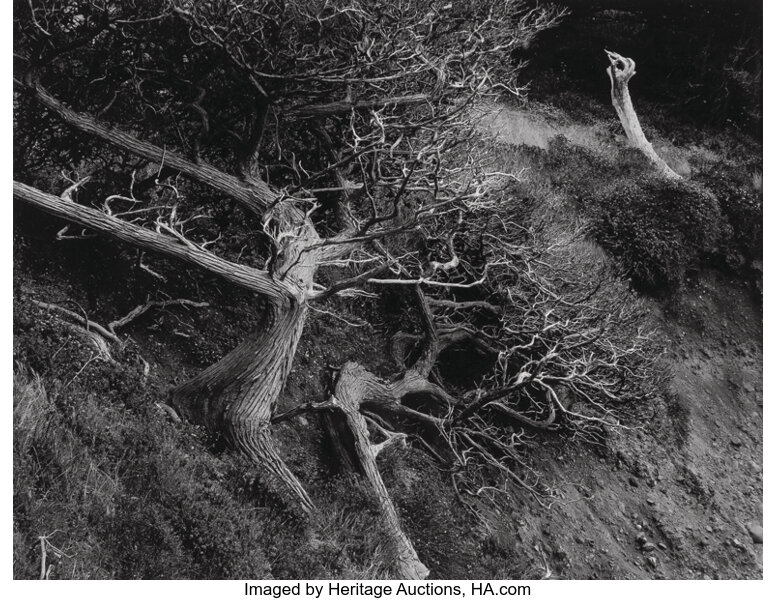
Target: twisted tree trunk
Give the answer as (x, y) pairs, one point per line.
(237, 396)
(620, 71)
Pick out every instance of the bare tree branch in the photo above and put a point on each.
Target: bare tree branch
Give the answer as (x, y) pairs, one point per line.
(247, 277)
(255, 195)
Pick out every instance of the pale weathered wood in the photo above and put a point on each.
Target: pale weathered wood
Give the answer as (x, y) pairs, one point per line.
(254, 195)
(244, 276)
(355, 386)
(620, 72)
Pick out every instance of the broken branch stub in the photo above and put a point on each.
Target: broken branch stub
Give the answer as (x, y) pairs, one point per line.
(620, 71)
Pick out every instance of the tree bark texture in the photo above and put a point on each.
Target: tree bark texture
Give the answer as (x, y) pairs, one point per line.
(620, 72)
(356, 386)
(238, 395)
(253, 279)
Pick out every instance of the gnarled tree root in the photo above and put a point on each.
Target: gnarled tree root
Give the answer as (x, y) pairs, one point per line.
(357, 386)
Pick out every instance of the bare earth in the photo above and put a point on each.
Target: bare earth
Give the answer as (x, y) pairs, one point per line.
(673, 502)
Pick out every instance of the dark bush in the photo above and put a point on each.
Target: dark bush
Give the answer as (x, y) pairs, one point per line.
(741, 204)
(657, 228)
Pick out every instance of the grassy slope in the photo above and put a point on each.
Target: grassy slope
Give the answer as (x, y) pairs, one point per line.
(119, 491)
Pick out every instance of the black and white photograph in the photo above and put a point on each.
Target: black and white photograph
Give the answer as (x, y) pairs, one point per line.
(408, 294)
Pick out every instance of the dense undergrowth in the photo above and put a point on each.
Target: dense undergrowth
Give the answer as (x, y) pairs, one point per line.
(114, 489)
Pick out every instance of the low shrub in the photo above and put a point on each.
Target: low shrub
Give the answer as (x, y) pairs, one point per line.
(580, 170)
(118, 493)
(741, 203)
(656, 228)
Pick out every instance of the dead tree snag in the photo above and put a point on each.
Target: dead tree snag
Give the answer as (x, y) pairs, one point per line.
(620, 71)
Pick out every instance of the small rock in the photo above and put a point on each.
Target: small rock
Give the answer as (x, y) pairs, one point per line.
(737, 543)
(648, 547)
(652, 561)
(756, 532)
(650, 500)
(736, 442)
(641, 539)
(633, 482)
(748, 388)
(662, 546)
(709, 528)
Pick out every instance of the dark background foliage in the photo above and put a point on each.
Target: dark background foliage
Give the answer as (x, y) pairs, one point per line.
(702, 57)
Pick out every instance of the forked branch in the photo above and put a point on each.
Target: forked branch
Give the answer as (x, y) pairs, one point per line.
(253, 279)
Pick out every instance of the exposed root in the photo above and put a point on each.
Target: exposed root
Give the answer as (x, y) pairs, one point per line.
(144, 308)
(89, 326)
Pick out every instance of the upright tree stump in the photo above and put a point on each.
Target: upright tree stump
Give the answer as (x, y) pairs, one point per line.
(620, 71)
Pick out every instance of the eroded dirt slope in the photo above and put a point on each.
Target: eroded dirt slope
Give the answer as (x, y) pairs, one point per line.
(673, 500)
